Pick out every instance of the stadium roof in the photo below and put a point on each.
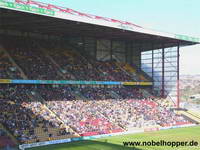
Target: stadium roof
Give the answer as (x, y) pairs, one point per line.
(48, 19)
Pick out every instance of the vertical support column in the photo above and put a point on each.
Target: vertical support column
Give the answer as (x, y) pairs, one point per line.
(140, 53)
(163, 72)
(152, 58)
(178, 82)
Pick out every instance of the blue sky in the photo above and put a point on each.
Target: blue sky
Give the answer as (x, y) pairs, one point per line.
(175, 16)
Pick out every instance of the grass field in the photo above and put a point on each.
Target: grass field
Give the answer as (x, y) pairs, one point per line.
(116, 142)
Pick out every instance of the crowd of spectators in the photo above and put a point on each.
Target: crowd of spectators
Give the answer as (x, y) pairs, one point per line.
(49, 92)
(5, 140)
(77, 65)
(21, 115)
(113, 70)
(105, 116)
(128, 92)
(82, 117)
(100, 113)
(7, 69)
(82, 69)
(43, 63)
(139, 113)
(96, 93)
(104, 109)
(33, 61)
(103, 93)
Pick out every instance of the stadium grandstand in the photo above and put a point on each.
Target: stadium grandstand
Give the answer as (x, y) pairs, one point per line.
(68, 76)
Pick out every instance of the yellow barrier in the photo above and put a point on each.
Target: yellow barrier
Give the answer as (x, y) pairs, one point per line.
(5, 81)
(137, 83)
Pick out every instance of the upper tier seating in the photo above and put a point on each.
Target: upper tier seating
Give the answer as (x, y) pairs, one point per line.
(27, 54)
(7, 69)
(56, 63)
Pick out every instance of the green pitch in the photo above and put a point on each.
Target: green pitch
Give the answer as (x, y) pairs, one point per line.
(116, 142)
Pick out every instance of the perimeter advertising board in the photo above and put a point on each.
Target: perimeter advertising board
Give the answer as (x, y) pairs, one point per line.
(26, 8)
